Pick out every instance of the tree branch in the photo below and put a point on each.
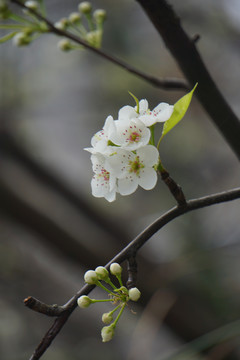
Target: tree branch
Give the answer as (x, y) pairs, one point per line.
(130, 251)
(184, 51)
(166, 83)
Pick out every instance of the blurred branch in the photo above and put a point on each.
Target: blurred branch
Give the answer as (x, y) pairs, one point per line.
(10, 147)
(129, 251)
(38, 306)
(167, 83)
(184, 51)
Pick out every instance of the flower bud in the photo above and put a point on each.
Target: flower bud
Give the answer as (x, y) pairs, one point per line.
(74, 18)
(100, 15)
(21, 39)
(64, 45)
(84, 301)
(33, 5)
(85, 7)
(102, 273)
(90, 277)
(61, 24)
(134, 294)
(107, 333)
(115, 269)
(107, 318)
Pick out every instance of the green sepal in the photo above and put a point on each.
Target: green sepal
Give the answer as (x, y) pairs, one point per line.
(136, 100)
(8, 37)
(179, 111)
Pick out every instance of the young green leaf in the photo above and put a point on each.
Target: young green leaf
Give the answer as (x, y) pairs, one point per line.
(136, 100)
(179, 111)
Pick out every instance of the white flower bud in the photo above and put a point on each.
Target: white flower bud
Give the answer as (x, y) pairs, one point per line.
(74, 17)
(84, 301)
(115, 269)
(33, 5)
(102, 273)
(61, 24)
(100, 15)
(107, 318)
(90, 277)
(21, 39)
(64, 45)
(85, 7)
(134, 294)
(107, 333)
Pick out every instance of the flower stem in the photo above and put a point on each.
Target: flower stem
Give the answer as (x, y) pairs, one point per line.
(104, 288)
(119, 314)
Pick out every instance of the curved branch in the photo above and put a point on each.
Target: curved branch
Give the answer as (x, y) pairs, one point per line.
(131, 250)
(189, 60)
(166, 83)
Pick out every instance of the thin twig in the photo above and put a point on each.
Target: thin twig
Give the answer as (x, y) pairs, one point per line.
(166, 83)
(131, 250)
(38, 306)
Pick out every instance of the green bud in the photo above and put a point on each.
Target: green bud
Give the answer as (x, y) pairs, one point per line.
(33, 5)
(74, 18)
(90, 277)
(107, 318)
(84, 301)
(62, 24)
(102, 273)
(115, 269)
(94, 38)
(85, 7)
(21, 39)
(107, 333)
(100, 16)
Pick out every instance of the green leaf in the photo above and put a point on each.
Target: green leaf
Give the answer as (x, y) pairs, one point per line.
(136, 100)
(8, 37)
(179, 111)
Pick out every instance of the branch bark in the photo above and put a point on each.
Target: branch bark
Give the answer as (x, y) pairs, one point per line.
(189, 60)
(128, 252)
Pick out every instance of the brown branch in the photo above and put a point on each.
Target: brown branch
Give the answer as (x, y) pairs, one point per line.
(166, 83)
(38, 306)
(130, 251)
(189, 60)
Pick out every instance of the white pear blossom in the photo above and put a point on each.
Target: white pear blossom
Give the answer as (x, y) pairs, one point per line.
(103, 182)
(134, 168)
(99, 141)
(130, 134)
(160, 113)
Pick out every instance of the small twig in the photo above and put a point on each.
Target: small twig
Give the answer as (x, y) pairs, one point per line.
(128, 252)
(166, 83)
(132, 272)
(38, 306)
(174, 188)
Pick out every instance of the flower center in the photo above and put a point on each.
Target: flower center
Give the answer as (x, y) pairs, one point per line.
(104, 174)
(134, 137)
(135, 166)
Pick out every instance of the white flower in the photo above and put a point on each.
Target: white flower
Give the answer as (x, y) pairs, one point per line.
(160, 113)
(102, 273)
(115, 269)
(99, 141)
(103, 182)
(130, 134)
(84, 301)
(133, 169)
(90, 277)
(107, 333)
(134, 294)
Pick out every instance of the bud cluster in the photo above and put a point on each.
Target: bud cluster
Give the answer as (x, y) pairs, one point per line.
(118, 296)
(23, 28)
(85, 23)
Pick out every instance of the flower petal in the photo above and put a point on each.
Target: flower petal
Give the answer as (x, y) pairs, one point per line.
(162, 112)
(127, 185)
(148, 154)
(148, 178)
(126, 112)
(143, 105)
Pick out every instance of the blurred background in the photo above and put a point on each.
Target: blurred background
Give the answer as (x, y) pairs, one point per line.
(51, 228)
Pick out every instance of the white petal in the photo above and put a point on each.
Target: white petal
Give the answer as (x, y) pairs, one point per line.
(118, 162)
(126, 112)
(127, 185)
(143, 105)
(148, 155)
(163, 112)
(148, 178)
(111, 196)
